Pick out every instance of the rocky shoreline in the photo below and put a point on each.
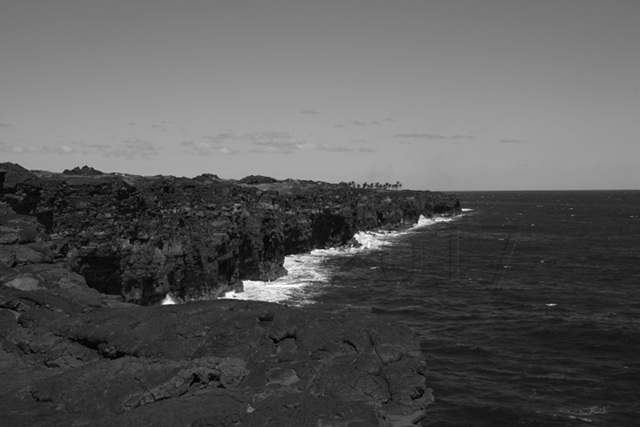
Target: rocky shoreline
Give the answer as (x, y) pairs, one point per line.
(85, 257)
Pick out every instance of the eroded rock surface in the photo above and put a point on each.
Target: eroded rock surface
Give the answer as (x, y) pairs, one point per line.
(73, 352)
(222, 362)
(142, 237)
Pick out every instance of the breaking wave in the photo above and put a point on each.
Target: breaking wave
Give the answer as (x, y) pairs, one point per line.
(307, 274)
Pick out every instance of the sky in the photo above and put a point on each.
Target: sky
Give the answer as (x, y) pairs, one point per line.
(445, 95)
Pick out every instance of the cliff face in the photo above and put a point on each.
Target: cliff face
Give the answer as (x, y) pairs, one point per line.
(70, 355)
(141, 237)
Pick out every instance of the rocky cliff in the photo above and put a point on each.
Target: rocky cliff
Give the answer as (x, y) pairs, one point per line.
(71, 355)
(142, 237)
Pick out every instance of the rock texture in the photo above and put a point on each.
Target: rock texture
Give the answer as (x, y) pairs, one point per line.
(218, 363)
(142, 237)
(73, 352)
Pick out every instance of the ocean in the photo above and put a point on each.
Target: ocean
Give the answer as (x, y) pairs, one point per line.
(527, 306)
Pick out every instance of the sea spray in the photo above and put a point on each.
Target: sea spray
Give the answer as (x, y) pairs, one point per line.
(307, 274)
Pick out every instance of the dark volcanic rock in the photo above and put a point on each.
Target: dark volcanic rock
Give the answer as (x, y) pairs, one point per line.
(204, 363)
(85, 170)
(70, 355)
(142, 237)
(14, 175)
(3, 173)
(257, 179)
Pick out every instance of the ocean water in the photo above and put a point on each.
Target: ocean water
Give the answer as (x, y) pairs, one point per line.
(527, 306)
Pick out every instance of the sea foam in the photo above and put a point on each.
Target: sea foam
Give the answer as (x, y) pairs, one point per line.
(170, 299)
(303, 271)
(308, 273)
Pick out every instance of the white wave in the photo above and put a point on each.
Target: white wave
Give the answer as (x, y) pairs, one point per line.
(170, 299)
(264, 291)
(307, 274)
(426, 222)
(303, 272)
(372, 240)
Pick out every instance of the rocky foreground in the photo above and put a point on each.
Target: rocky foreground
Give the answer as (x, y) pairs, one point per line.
(85, 257)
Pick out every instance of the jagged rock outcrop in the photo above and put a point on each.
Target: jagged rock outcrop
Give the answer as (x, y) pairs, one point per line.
(142, 237)
(222, 362)
(85, 170)
(71, 355)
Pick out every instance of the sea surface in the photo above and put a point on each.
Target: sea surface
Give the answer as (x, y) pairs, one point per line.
(527, 305)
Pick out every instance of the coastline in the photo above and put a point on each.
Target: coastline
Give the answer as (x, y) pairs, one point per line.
(306, 274)
(63, 330)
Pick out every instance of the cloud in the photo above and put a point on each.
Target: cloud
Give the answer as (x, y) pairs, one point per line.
(420, 136)
(270, 142)
(18, 149)
(511, 141)
(129, 149)
(211, 145)
(357, 123)
(389, 119)
(309, 112)
(366, 150)
(263, 142)
(279, 146)
(14, 149)
(285, 143)
(206, 148)
(432, 136)
(331, 147)
(65, 149)
(275, 142)
(132, 124)
(221, 137)
(4, 125)
(84, 148)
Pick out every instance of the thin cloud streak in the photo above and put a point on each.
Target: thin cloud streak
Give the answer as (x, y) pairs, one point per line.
(420, 136)
(431, 136)
(133, 149)
(129, 149)
(206, 148)
(366, 150)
